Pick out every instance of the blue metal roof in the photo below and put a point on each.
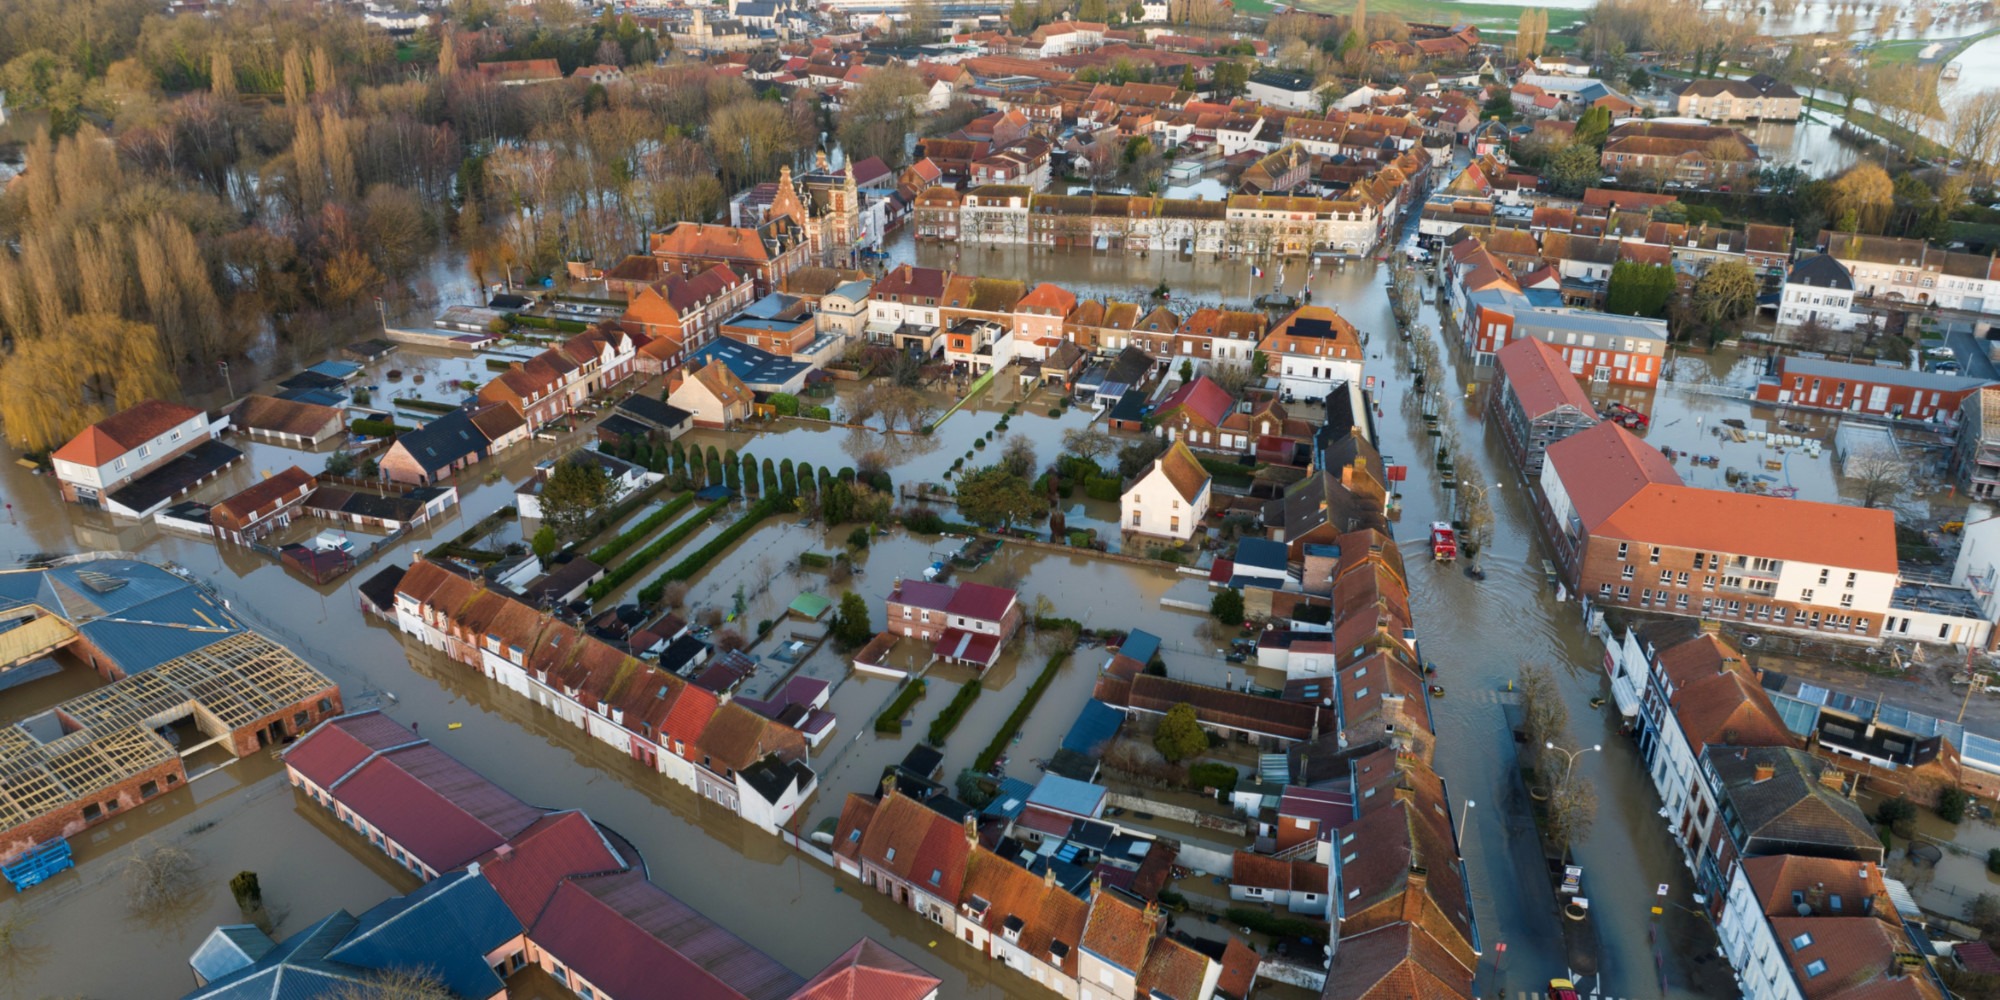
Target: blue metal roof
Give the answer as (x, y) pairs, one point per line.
(137, 614)
(229, 948)
(296, 969)
(1012, 799)
(1262, 553)
(336, 369)
(1140, 645)
(1068, 795)
(1094, 727)
(759, 369)
(447, 927)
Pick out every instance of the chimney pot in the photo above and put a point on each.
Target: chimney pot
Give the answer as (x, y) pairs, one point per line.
(1765, 772)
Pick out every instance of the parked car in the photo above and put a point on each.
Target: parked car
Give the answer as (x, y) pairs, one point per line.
(1562, 989)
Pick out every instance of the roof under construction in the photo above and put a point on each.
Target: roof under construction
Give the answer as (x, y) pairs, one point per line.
(222, 677)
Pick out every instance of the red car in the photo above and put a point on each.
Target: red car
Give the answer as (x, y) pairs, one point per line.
(1562, 989)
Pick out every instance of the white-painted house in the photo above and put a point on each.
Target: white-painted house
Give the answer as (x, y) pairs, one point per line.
(1170, 499)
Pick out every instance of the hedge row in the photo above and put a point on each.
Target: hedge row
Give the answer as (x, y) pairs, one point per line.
(947, 720)
(644, 557)
(545, 323)
(425, 405)
(603, 554)
(1020, 715)
(1050, 623)
(890, 722)
(1235, 472)
(1103, 488)
(1276, 926)
(692, 564)
(376, 428)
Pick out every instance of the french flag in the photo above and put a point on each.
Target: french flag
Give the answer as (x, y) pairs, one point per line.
(1256, 272)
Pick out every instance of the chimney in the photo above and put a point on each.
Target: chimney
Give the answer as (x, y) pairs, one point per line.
(1152, 913)
(1834, 778)
(1414, 893)
(971, 831)
(1711, 626)
(1048, 878)
(1765, 771)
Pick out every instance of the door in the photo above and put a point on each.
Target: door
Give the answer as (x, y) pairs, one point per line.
(1878, 397)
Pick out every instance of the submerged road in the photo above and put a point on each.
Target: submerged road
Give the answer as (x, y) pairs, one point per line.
(1478, 633)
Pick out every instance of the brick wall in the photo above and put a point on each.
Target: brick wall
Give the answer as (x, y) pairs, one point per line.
(75, 817)
(1643, 590)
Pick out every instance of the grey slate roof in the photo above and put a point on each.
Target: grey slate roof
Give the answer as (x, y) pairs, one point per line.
(1843, 371)
(1821, 271)
(1790, 811)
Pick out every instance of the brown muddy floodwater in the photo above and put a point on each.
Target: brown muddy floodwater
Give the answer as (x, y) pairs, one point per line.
(1477, 633)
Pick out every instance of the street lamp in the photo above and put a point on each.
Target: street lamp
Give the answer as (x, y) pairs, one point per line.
(1462, 812)
(1571, 755)
(227, 381)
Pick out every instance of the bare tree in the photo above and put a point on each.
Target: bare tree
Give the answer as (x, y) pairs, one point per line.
(1088, 442)
(397, 984)
(1545, 717)
(163, 880)
(1879, 477)
(1572, 811)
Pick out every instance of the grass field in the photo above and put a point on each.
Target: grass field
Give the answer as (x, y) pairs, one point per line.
(1904, 51)
(1482, 14)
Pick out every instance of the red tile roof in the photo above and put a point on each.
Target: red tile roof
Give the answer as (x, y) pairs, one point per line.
(1604, 467)
(341, 743)
(527, 870)
(1203, 398)
(632, 940)
(869, 971)
(1174, 972)
(981, 601)
(1395, 962)
(1119, 932)
(1539, 378)
(442, 812)
(123, 431)
(1743, 523)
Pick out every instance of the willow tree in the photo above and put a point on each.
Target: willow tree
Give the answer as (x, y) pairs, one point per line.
(53, 386)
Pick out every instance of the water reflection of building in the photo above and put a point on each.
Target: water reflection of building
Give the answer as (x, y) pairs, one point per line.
(182, 677)
(753, 766)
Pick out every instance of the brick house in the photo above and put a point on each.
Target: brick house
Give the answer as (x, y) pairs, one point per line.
(1194, 414)
(1692, 154)
(967, 623)
(266, 506)
(915, 856)
(1038, 320)
(1627, 532)
(434, 451)
(1842, 387)
(1536, 402)
(680, 314)
(765, 254)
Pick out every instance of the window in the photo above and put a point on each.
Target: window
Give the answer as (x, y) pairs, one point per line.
(1802, 942)
(1816, 967)
(1823, 575)
(1680, 579)
(1666, 577)
(1624, 593)
(1656, 553)
(1847, 600)
(890, 855)
(1805, 593)
(1625, 573)
(1603, 591)
(1135, 519)
(1622, 547)
(1851, 578)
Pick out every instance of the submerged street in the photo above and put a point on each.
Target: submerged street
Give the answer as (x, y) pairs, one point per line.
(1477, 633)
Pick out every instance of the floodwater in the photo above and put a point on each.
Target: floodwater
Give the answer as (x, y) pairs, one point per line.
(1477, 633)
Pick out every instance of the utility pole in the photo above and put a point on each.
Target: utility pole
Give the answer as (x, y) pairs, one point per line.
(226, 380)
